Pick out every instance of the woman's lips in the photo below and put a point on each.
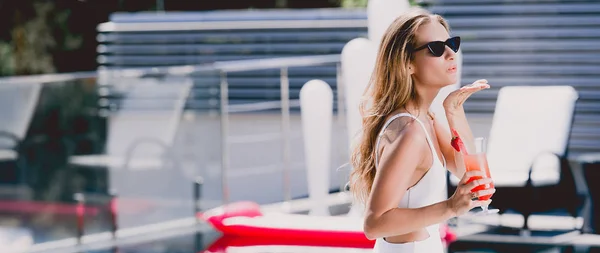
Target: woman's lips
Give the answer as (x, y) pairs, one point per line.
(452, 69)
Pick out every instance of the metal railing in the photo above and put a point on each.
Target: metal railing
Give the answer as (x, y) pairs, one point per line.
(224, 68)
(283, 64)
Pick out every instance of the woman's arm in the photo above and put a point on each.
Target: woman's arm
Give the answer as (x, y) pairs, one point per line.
(457, 120)
(398, 162)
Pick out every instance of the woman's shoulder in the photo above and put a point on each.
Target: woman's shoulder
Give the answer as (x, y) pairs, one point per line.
(402, 139)
(402, 129)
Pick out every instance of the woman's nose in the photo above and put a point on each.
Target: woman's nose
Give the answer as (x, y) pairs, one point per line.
(449, 54)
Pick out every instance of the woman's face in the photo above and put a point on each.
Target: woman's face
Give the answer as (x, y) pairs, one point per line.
(429, 70)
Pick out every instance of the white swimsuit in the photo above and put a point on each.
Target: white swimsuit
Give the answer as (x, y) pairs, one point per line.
(429, 190)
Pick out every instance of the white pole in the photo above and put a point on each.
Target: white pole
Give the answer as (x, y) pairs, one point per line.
(437, 105)
(358, 61)
(285, 131)
(316, 105)
(380, 14)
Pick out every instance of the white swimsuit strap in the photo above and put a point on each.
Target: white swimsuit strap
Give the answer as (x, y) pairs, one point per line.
(387, 123)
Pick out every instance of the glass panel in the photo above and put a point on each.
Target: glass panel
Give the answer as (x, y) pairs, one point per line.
(123, 142)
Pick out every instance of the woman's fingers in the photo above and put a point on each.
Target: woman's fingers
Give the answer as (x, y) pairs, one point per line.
(470, 174)
(484, 192)
(470, 186)
(474, 87)
(467, 91)
(458, 97)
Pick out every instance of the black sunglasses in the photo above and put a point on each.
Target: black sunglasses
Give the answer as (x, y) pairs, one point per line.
(437, 48)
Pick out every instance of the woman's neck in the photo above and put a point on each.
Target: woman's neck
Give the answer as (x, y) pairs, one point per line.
(422, 104)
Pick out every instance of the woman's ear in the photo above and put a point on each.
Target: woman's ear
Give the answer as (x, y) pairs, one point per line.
(411, 69)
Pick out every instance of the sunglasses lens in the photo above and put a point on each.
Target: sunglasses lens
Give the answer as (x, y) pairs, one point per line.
(436, 48)
(454, 44)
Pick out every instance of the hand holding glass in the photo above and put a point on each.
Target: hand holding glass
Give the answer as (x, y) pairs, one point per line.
(478, 161)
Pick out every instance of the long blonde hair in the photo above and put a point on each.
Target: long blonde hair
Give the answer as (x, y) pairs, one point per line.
(391, 87)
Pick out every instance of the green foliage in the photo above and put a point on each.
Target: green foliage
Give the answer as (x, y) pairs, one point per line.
(32, 41)
(353, 3)
(6, 60)
(35, 40)
(67, 40)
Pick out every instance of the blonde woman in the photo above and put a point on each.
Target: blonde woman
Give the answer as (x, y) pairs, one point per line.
(401, 161)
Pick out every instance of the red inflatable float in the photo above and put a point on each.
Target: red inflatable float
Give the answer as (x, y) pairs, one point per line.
(243, 224)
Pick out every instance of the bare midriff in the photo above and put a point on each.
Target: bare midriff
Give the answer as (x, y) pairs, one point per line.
(415, 236)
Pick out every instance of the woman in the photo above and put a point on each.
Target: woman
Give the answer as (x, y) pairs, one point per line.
(401, 161)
